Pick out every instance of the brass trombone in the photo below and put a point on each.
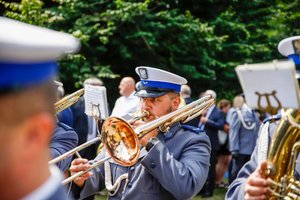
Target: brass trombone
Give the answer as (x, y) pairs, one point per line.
(122, 141)
(68, 101)
(90, 142)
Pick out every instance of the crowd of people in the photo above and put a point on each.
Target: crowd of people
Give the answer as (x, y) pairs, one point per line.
(178, 161)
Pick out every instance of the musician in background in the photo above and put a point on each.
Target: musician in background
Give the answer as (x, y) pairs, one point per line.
(186, 93)
(251, 182)
(243, 133)
(173, 165)
(84, 125)
(211, 122)
(63, 139)
(66, 115)
(27, 95)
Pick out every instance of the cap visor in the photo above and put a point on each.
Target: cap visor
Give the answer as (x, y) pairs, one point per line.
(149, 93)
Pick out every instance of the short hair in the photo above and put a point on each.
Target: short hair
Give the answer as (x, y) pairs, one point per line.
(60, 92)
(212, 93)
(223, 103)
(186, 90)
(93, 81)
(18, 106)
(238, 101)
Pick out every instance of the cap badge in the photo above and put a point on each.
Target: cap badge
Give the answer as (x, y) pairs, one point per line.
(143, 73)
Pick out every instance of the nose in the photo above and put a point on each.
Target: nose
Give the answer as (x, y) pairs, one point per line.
(146, 104)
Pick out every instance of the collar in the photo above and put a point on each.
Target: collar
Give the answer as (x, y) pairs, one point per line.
(131, 95)
(171, 132)
(48, 187)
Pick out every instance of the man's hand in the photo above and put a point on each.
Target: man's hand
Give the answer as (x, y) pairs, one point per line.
(78, 165)
(144, 140)
(203, 119)
(256, 184)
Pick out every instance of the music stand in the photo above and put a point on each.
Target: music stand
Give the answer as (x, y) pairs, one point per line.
(96, 101)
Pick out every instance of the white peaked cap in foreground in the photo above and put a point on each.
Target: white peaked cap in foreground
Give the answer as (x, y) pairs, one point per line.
(21, 42)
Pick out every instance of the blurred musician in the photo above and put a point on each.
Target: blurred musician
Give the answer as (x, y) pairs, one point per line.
(27, 96)
(63, 140)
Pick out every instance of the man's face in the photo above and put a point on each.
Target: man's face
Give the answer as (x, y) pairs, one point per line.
(159, 106)
(10, 151)
(123, 87)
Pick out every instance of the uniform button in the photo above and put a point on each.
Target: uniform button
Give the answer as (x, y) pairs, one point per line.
(152, 165)
(132, 169)
(129, 185)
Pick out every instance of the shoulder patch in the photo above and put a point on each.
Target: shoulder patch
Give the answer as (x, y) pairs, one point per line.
(192, 128)
(65, 126)
(272, 118)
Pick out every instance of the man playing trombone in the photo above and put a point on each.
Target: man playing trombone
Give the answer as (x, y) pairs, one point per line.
(174, 163)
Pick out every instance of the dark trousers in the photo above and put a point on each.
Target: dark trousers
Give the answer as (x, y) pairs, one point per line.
(209, 186)
(237, 164)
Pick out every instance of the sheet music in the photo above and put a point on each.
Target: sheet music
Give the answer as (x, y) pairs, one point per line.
(95, 101)
(278, 76)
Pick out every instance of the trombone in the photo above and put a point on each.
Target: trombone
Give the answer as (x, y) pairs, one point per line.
(122, 141)
(68, 101)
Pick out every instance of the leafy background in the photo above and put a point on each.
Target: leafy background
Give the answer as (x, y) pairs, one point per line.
(202, 40)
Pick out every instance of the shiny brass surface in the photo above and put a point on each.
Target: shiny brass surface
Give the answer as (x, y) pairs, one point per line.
(282, 157)
(68, 101)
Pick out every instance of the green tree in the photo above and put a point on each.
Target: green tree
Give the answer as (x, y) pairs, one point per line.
(201, 40)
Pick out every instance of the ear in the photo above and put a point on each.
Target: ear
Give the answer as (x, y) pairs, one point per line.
(176, 102)
(37, 131)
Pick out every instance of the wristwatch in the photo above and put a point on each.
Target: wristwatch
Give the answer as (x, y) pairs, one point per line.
(153, 141)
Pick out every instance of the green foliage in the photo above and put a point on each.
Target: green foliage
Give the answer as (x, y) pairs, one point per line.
(201, 40)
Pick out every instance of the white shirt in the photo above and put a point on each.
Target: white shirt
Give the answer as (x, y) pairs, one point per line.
(126, 106)
(48, 187)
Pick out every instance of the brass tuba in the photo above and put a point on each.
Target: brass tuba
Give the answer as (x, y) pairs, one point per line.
(282, 157)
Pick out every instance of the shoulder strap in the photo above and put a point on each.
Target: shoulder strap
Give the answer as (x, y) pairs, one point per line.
(113, 188)
(263, 143)
(240, 116)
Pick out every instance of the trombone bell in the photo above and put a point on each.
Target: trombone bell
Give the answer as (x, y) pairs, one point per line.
(120, 141)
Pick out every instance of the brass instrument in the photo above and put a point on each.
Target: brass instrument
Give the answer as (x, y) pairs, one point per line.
(282, 157)
(68, 101)
(90, 142)
(122, 141)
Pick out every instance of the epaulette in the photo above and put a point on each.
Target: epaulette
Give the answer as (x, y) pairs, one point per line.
(272, 118)
(65, 126)
(192, 128)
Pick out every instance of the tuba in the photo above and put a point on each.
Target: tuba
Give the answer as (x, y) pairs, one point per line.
(283, 152)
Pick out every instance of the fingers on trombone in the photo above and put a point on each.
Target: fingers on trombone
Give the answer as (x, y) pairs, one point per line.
(79, 164)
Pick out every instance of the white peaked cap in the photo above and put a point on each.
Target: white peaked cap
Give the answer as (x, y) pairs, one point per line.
(156, 82)
(23, 42)
(286, 47)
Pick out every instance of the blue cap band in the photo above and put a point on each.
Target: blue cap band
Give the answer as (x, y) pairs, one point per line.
(161, 85)
(19, 75)
(295, 58)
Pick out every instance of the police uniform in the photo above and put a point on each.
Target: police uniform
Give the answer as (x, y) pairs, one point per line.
(236, 189)
(28, 58)
(176, 165)
(243, 134)
(63, 140)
